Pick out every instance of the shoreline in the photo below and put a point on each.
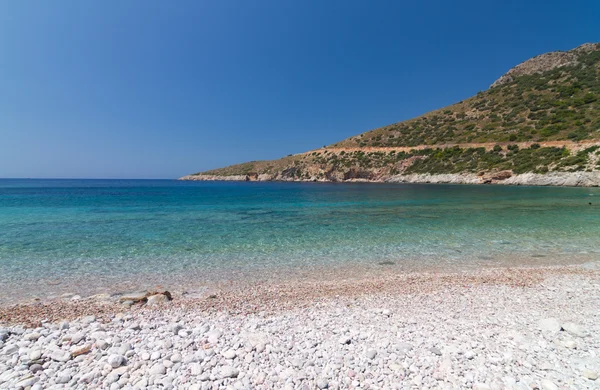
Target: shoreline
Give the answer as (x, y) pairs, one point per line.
(278, 295)
(514, 328)
(200, 281)
(554, 179)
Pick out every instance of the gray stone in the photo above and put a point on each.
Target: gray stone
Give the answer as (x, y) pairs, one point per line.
(18, 330)
(175, 328)
(27, 381)
(547, 384)
(229, 354)
(214, 336)
(549, 324)
(196, 369)
(88, 319)
(116, 360)
(31, 336)
(322, 383)
(229, 372)
(77, 337)
(35, 354)
(158, 369)
(589, 374)
(35, 368)
(435, 351)
(371, 353)
(574, 329)
(111, 378)
(155, 355)
(63, 378)
(60, 356)
(404, 347)
(157, 299)
(139, 296)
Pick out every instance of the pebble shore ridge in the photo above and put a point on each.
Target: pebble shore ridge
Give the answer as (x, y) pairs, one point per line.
(513, 328)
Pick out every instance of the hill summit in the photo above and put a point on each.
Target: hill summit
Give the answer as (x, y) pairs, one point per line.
(546, 62)
(537, 124)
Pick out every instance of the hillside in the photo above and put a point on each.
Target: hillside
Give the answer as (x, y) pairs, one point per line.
(542, 116)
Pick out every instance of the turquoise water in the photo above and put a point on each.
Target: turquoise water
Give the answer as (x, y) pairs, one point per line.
(100, 232)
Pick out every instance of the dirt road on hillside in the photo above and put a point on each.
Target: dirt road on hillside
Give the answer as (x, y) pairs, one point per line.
(574, 146)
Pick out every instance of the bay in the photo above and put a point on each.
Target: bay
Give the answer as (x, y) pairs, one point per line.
(88, 235)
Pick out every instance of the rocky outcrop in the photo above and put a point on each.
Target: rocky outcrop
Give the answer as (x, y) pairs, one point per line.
(358, 174)
(566, 179)
(445, 178)
(265, 177)
(545, 62)
(215, 178)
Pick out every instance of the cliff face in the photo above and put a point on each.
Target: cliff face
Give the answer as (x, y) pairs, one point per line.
(540, 119)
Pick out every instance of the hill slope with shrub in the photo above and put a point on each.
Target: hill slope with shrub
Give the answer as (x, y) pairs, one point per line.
(542, 116)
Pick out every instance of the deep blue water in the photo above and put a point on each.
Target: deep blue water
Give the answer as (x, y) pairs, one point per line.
(112, 230)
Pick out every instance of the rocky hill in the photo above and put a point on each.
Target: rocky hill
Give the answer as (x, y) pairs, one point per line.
(541, 119)
(546, 62)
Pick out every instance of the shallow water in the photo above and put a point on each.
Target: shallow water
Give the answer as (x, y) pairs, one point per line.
(62, 235)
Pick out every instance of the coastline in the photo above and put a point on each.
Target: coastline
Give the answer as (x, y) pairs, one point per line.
(497, 328)
(277, 295)
(559, 179)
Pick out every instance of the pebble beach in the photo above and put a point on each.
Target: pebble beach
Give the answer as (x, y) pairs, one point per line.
(514, 328)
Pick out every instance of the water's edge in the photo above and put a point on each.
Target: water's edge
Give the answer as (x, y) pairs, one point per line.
(107, 236)
(558, 179)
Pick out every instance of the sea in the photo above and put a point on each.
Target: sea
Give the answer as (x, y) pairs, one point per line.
(91, 236)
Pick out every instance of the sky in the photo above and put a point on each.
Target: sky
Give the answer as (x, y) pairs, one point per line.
(160, 89)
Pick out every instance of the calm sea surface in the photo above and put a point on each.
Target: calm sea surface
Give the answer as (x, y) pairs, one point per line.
(62, 235)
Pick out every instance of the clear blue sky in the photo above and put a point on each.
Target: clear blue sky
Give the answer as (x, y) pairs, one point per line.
(159, 89)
